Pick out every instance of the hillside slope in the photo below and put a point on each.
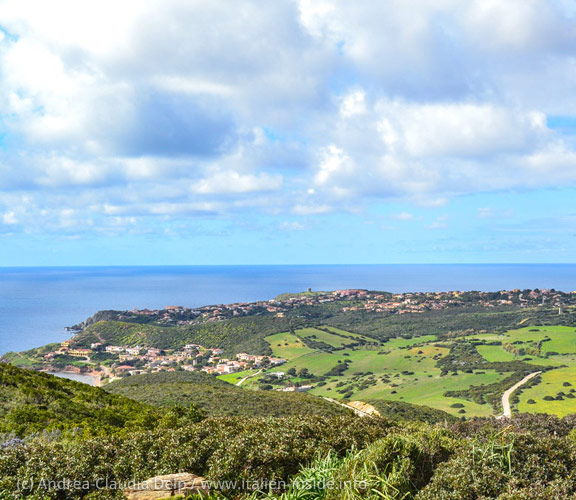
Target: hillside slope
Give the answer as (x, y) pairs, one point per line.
(32, 402)
(245, 334)
(399, 410)
(218, 398)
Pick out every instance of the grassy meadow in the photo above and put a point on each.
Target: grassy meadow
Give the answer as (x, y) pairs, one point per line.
(407, 369)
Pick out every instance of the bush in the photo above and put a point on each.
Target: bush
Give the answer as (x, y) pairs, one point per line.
(218, 449)
(505, 466)
(394, 467)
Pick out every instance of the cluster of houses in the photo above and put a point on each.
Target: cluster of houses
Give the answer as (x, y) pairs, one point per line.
(434, 301)
(136, 360)
(352, 300)
(195, 357)
(178, 315)
(243, 361)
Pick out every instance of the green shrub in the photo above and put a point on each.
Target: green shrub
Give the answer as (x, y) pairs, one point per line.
(397, 465)
(219, 449)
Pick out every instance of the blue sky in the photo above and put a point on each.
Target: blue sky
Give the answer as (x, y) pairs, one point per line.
(293, 131)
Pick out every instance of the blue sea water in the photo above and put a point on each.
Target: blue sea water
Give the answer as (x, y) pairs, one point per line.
(37, 303)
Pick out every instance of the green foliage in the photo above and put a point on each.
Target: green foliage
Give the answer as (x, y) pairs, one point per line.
(243, 334)
(337, 370)
(217, 397)
(220, 449)
(395, 467)
(506, 466)
(464, 356)
(527, 458)
(33, 402)
(443, 323)
(399, 410)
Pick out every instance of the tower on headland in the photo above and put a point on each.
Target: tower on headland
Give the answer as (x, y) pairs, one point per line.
(309, 289)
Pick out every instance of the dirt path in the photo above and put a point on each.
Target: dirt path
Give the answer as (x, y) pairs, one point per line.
(240, 382)
(356, 406)
(508, 393)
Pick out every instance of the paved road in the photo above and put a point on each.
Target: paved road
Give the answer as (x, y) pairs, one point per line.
(508, 393)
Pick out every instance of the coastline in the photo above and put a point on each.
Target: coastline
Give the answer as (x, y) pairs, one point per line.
(90, 378)
(43, 300)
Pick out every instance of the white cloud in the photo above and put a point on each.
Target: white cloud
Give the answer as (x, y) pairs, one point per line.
(459, 130)
(400, 149)
(402, 216)
(191, 86)
(300, 107)
(9, 218)
(233, 182)
(353, 104)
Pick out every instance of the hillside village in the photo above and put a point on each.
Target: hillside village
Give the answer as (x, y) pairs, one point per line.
(114, 361)
(349, 300)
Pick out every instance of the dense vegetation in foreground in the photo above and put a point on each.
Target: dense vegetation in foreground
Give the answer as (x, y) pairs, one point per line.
(529, 457)
(84, 455)
(32, 402)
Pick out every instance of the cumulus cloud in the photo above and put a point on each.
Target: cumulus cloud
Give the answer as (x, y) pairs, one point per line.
(179, 108)
(397, 148)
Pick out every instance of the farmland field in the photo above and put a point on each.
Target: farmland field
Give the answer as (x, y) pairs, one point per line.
(560, 385)
(287, 346)
(402, 369)
(410, 369)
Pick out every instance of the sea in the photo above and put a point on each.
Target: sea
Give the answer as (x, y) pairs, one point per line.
(36, 304)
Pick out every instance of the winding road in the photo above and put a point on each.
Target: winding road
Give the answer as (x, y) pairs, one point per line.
(506, 396)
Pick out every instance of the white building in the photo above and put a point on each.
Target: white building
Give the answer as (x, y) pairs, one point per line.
(114, 349)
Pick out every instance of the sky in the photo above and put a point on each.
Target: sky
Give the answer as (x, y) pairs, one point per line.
(157, 132)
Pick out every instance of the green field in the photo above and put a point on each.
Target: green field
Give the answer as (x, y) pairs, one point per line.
(429, 392)
(233, 378)
(407, 369)
(422, 384)
(333, 340)
(287, 346)
(495, 353)
(402, 369)
(562, 338)
(401, 342)
(552, 383)
(554, 341)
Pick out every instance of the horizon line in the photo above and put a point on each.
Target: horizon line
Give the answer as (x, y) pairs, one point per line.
(76, 266)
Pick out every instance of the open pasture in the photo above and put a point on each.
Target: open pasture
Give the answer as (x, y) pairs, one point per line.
(287, 346)
(405, 369)
(554, 385)
(326, 337)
